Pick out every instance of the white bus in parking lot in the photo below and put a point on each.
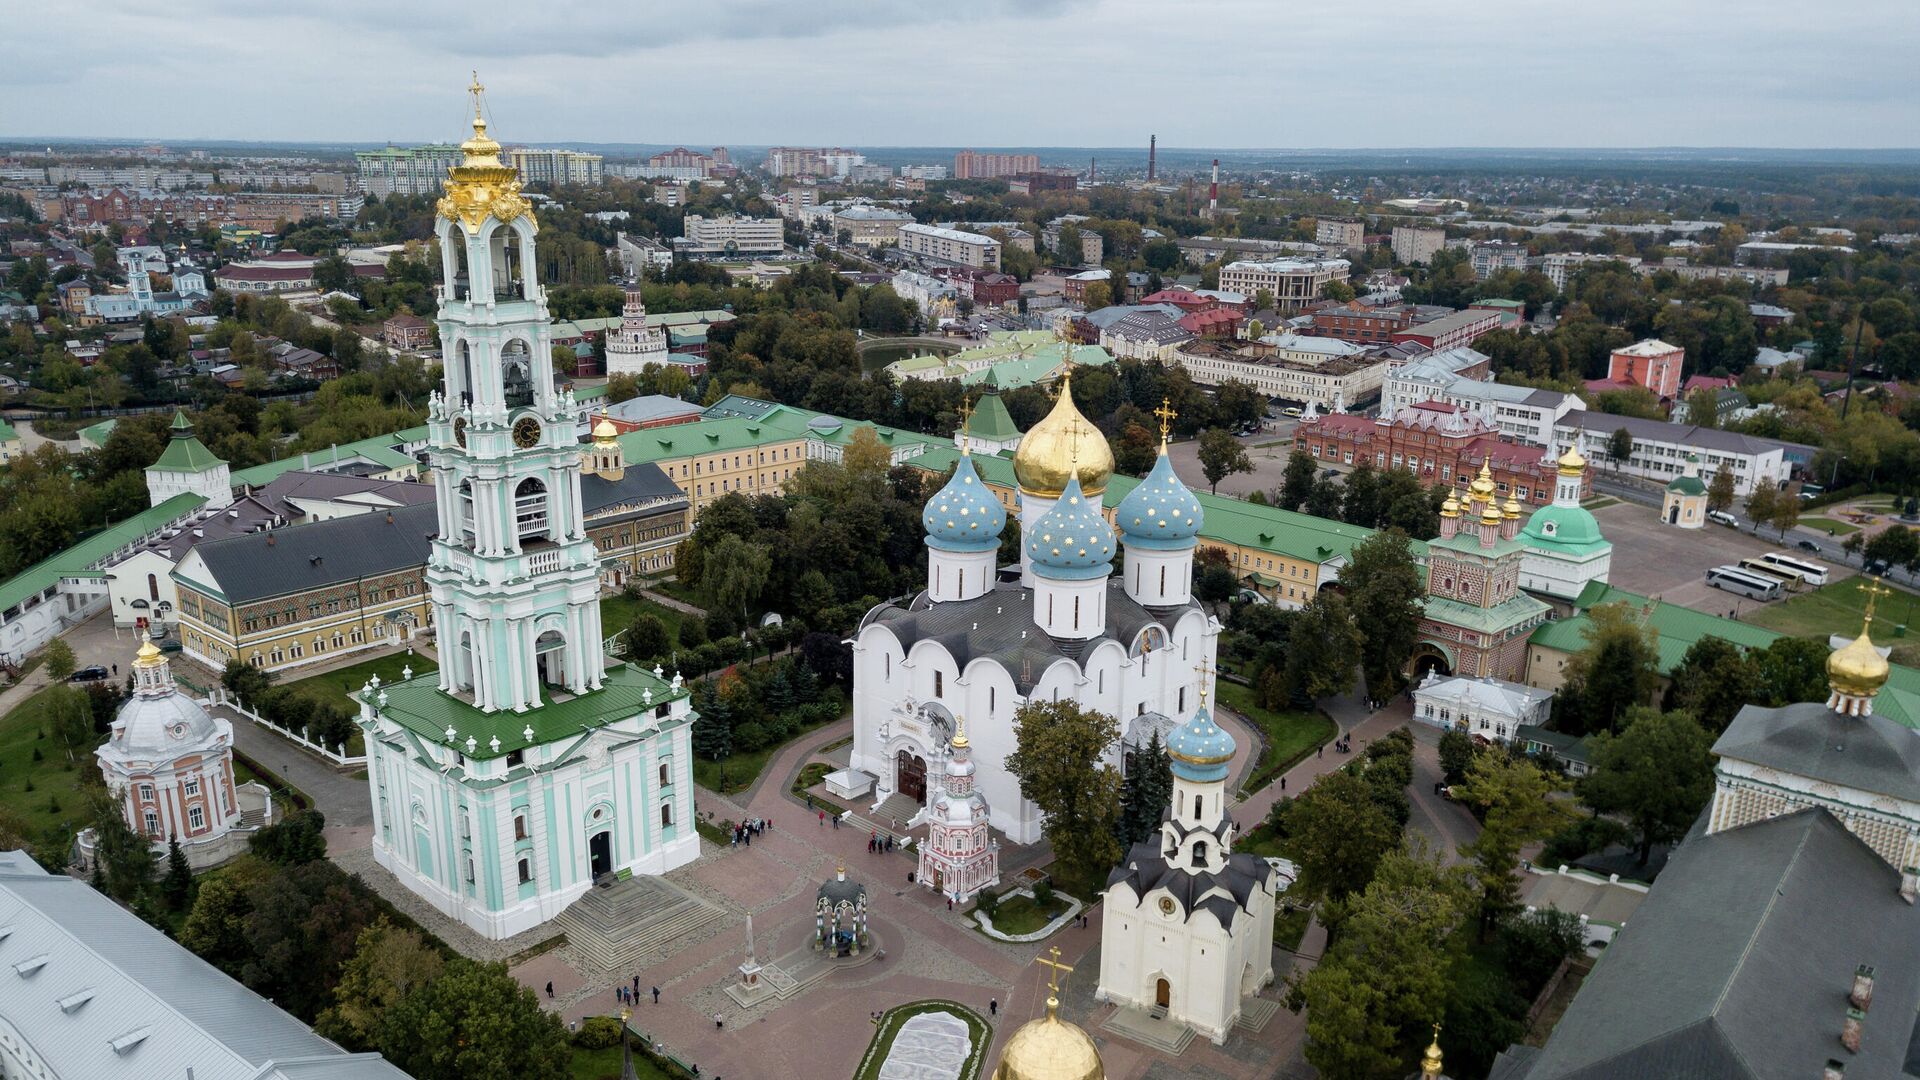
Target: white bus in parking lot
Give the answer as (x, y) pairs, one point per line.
(1735, 580)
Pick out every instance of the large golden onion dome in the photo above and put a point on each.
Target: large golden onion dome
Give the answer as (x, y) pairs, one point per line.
(482, 184)
(1451, 508)
(1857, 669)
(1572, 463)
(1483, 487)
(1062, 445)
(604, 431)
(1511, 509)
(1050, 1049)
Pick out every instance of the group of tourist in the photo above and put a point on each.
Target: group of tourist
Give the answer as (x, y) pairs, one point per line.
(877, 844)
(744, 832)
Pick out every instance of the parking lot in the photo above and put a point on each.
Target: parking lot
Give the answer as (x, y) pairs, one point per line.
(1269, 462)
(1658, 560)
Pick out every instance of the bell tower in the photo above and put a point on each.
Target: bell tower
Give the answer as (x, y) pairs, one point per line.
(513, 578)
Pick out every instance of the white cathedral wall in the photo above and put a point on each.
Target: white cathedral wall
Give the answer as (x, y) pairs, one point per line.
(1165, 681)
(1561, 577)
(1745, 793)
(1201, 962)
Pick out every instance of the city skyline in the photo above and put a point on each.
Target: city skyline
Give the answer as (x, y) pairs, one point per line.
(752, 72)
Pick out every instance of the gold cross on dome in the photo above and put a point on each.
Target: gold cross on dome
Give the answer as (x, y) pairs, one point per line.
(966, 422)
(1053, 978)
(1205, 668)
(1874, 592)
(476, 90)
(1167, 416)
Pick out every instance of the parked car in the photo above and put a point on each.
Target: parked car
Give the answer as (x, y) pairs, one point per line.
(1808, 545)
(88, 674)
(1723, 518)
(1292, 410)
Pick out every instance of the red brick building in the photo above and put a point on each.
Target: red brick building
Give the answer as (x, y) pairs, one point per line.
(1459, 328)
(987, 288)
(1441, 444)
(1652, 363)
(1186, 300)
(405, 331)
(1357, 322)
(1213, 323)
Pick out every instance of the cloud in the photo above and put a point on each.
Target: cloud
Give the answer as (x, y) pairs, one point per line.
(1225, 73)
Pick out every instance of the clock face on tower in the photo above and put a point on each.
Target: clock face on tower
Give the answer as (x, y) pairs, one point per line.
(526, 432)
(460, 431)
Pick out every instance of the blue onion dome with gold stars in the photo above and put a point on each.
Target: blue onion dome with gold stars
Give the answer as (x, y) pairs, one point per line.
(1072, 541)
(1200, 748)
(964, 515)
(1160, 512)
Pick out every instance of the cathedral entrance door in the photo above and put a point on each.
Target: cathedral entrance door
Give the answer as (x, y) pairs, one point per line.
(1162, 993)
(600, 853)
(911, 776)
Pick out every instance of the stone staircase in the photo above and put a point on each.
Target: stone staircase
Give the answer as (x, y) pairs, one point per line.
(615, 927)
(253, 819)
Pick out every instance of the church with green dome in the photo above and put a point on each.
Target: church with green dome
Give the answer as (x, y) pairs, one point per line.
(1563, 546)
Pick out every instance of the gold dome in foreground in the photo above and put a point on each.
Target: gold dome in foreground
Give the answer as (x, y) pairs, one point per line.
(1857, 668)
(1572, 463)
(1483, 487)
(1050, 1049)
(604, 431)
(149, 654)
(1062, 445)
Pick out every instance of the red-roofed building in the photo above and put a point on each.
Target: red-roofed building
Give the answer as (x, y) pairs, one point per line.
(1185, 299)
(1441, 444)
(1213, 323)
(1708, 382)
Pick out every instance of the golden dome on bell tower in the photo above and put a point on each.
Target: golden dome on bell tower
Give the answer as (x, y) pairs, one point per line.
(1062, 445)
(1857, 669)
(1572, 463)
(481, 184)
(1051, 1048)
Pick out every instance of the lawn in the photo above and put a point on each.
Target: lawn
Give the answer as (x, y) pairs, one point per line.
(893, 1019)
(605, 1065)
(678, 592)
(1290, 925)
(1835, 608)
(737, 772)
(1290, 735)
(1599, 502)
(618, 611)
(1018, 915)
(56, 801)
(1835, 528)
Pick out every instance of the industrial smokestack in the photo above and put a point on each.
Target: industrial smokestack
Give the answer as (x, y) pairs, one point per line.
(1213, 190)
(1153, 153)
(1093, 169)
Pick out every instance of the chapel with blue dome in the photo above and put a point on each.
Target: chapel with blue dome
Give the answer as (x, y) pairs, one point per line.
(1200, 749)
(1099, 610)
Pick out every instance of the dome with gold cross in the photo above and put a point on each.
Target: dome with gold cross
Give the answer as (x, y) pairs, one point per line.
(1161, 512)
(481, 185)
(1858, 669)
(1051, 1048)
(1063, 445)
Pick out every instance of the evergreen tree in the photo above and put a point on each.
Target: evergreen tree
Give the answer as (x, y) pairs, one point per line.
(1298, 483)
(713, 730)
(177, 886)
(1145, 792)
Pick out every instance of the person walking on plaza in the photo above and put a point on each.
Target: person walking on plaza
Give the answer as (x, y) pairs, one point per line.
(717, 1022)
(656, 995)
(993, 1006)
(549, 988)
(823, 819)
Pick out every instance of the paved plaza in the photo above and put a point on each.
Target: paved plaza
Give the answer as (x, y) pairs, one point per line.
(1653, 559)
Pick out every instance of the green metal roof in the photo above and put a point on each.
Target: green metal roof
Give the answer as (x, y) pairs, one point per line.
(1575, 530)
(95, 435)
(420, 706)
(381, 450)
(991, 421)
(1497, 619)
(78, 560)
(776, 423)
(1687, 485)
(184, 451)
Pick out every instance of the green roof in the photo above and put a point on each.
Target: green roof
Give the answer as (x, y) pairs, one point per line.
(991, 421)
(7, 434)
(1574, 530)
(420, 706)
(96, 434)
(774, 423)
(1679, 627)
(184, 451)
(79, 560)
(1497, 619)
(1687, 485)
(382, 450)
(1009, 360)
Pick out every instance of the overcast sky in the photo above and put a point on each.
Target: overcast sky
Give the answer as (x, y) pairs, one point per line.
(1200, 73)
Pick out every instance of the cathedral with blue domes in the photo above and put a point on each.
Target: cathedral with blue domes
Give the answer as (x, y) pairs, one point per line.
(1099, 609)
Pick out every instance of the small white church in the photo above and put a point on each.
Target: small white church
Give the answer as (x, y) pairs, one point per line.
(1188, 932)
(982, 641)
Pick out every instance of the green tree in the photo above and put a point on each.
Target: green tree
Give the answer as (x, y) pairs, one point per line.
(1457, 751)
(1720, 490)
(246, 682)
(177, 886)
(1322, 645)
(1145, 793)
(1221, 455)
(736, 573)
(1098, 295)
(1338, 835)
(1786, 513)
(647, 638)
(1517, 799)
(1762, 501)
(1792, 670)
(1703, 407)
(215, 927)
(1616, 670)
(473, 1020)
(301, 927)
(126, 857)
(865, 454)
(1385, 976)
(60, 661)
(1325, 500)
(1656, 774)
(1298, 482)
(69, 712)
(1716, 679)
(388, 963)
(1386, 591)
(1620, 446)
(1057, 759)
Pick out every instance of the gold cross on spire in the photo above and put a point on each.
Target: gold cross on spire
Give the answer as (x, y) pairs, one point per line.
(1053, 978)
(1167, 415)
(475, 90)
(966, 422)
(1874, 592)
(1205, 668)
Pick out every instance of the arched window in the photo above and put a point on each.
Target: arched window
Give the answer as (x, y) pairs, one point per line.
(153, 588)
(516, 374)
(464, 507)
(464, 354)
(530, 509)
(1196, 806)
(1200, 854)
(666, 815)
